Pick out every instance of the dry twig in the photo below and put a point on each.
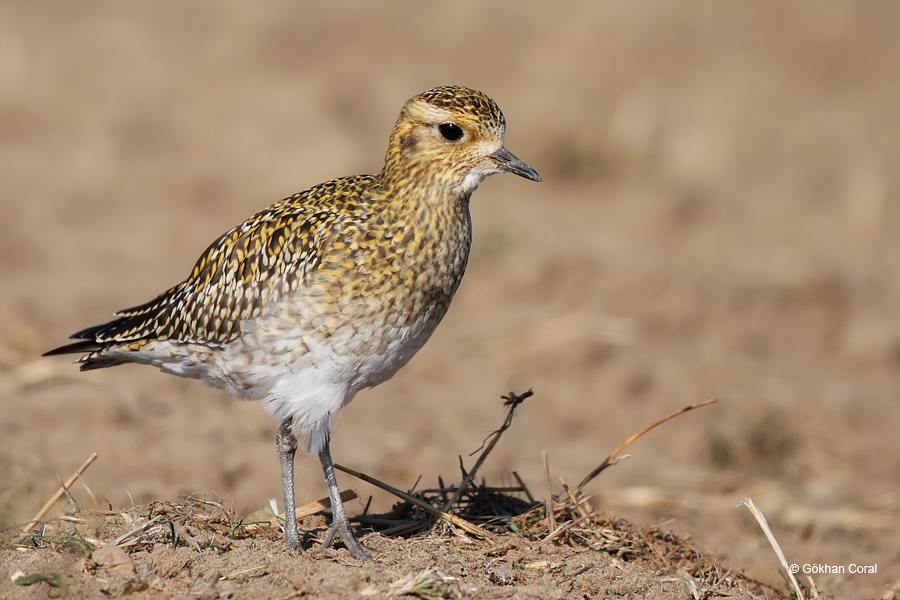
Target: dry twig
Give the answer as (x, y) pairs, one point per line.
(581, 512)
(551, 519)
(764, 525)
(552, 536)
(512, 401)
(118, 541)
(245, 573)
(59, 493)
(611, 459)
(450, 518)
(318, 506)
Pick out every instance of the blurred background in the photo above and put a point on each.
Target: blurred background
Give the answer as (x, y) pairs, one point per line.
(718, 217)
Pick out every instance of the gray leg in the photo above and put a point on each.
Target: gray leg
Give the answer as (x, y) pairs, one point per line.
(340, 524)
(287, 447)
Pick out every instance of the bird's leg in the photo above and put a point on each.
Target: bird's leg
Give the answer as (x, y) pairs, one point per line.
(340, 524)
(287, 448)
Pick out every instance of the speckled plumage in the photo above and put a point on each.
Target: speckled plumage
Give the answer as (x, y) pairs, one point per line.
(332, 289)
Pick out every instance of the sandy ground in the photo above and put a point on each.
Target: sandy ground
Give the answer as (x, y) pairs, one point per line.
(718, 217)
(194, 549)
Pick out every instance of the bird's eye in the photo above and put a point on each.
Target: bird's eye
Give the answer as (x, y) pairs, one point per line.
(451, 131)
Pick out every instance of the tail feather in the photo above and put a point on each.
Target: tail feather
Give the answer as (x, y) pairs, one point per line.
(123, 329)
(76, 348)
(91, 348)
(93, 361)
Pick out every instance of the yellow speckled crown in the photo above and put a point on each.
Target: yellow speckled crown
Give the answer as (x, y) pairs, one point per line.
(476, 105)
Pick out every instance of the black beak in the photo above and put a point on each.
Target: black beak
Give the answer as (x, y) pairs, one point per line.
(507, 161)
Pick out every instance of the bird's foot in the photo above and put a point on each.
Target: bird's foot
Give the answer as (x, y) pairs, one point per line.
(340, 531)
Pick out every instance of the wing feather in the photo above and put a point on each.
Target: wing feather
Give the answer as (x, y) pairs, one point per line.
(232, 279)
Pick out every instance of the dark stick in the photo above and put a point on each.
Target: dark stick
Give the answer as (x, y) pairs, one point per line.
(512, 401)
(611, 459)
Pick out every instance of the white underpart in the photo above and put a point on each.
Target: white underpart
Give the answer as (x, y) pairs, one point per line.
(476, 176)
(295, 376)
(314, 387)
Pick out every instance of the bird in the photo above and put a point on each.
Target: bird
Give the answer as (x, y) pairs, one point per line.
(328, 291)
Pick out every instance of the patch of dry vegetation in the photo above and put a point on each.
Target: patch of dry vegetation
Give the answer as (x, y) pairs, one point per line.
(456, 541)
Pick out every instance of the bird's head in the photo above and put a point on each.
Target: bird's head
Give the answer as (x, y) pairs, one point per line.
(451, 137)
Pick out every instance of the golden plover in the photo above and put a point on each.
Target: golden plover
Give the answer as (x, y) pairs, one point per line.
(329, 291)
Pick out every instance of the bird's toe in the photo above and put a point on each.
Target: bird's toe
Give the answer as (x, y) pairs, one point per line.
(340, 531)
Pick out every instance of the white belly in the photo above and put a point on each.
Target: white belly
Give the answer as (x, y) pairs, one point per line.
(295, 372)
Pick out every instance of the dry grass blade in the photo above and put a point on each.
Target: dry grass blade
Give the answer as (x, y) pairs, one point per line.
(512, 401)
(611, 459)
(764, 525)
(59, 493)
(453, 519)
(551, 518)
(318, 506)
(690, 585)
(581, 512)
(553, 535)
(245, 572)
(403, 529)
(524, 487)
(814, 591)
(125, 536)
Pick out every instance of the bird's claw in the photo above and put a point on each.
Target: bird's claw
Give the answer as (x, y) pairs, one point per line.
(340, 531)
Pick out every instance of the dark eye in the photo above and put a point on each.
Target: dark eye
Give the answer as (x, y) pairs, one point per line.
(450, 131)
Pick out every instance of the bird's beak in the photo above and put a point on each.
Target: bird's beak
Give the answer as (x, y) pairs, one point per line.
(507, 161)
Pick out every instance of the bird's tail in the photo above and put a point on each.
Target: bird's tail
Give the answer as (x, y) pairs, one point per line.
(90, 347)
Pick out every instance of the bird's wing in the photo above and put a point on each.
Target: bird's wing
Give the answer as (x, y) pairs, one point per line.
(266, 256)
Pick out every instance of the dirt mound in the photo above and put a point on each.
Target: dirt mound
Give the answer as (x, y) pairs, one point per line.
(198, 548)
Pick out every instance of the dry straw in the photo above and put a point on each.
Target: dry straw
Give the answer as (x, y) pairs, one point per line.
(59, 493)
